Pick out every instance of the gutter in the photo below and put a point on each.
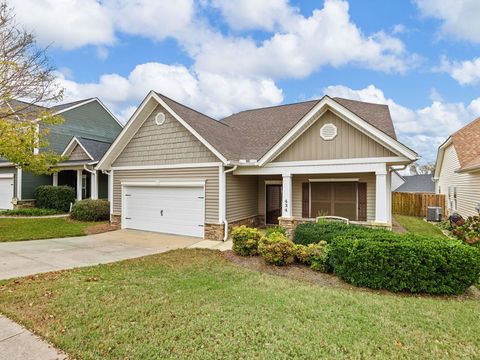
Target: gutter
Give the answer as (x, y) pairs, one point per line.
(225, 222)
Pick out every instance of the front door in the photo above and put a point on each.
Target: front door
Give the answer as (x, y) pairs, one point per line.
(273, 203)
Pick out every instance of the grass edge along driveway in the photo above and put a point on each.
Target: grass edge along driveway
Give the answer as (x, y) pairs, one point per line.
(18, 229)
(194, 304)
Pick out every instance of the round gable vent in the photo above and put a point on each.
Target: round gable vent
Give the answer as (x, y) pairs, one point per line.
(328, 132)
(160, 118)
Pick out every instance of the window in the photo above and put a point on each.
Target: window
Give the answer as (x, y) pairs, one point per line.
(328, 132)
(452, 198)
(160, 118)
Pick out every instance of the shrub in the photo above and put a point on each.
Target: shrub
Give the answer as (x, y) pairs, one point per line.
(54, 197)
(275, 229)
(314, 255)
(277, 249)
(30, 212)
(468, 230)
(405, 262)
(312, 233)
(91, 210)
(245, 240)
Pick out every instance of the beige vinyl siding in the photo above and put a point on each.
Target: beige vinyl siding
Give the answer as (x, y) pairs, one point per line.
(241, 198)
(297, 181)
(78, 154)
(467, 184)
(169, 143)
(349, 143)
(209, 174)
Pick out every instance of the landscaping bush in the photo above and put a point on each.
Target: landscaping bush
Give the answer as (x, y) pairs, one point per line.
(277, 249)
(314, 255)
(312, 233)
(275, 229)
(245, 240)
(30, 212)
(54, 197)
(405, 262)
(468, 230)
(91, 210)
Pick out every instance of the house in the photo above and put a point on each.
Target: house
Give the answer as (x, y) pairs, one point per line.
(175, 170)
(422, 183)
(88, 130)
(457, 171)
(397, 180)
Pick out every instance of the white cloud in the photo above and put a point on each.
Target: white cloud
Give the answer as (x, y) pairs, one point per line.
(421, 129)
(68, 24)
(465, 72)
(254, 14)
(459, 18)
(213, 94)
(305, 44)
(399, 29)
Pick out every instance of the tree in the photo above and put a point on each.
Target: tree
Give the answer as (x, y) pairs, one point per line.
(26, 81)
(416, 169)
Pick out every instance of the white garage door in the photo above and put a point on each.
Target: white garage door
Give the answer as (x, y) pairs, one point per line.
(6, 191)
(172, 210)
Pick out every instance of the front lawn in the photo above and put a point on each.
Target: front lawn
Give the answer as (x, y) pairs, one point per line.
(416, 225)
(30, 229)
(194, 304)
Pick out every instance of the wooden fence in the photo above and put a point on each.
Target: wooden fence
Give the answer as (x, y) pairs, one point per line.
(415, 204)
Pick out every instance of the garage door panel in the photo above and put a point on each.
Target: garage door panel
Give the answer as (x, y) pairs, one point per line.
(6, 193)
(174, 210)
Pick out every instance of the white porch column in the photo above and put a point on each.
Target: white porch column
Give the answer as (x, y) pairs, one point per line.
(19, 183)
(110, 190)
(381, 197)
(287, 195)
(79, 184)
(94, 185)
(389, 196)
(55, 179)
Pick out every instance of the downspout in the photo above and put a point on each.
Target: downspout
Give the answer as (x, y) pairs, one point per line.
(225, 231)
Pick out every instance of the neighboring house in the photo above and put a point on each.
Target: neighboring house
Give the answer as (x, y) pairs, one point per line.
(88, 130)
(457, 171)
(175, 170)
(422, 183)
(397, 180)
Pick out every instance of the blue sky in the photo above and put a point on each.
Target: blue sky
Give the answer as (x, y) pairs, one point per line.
(222, 56)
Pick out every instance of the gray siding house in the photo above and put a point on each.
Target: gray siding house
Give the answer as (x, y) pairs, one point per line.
(175, 170)
(88, 130)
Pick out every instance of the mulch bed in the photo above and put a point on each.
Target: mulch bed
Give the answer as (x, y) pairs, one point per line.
(100, 228)
(304, 273)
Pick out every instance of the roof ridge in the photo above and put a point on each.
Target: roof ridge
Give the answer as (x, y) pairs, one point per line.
(271, 107)
(360, 101)
(85, 138)
(192, 109)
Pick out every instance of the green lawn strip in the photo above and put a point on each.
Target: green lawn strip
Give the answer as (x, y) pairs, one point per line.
(30, 212)
(418, 226)
(193, 304)
(47, 228)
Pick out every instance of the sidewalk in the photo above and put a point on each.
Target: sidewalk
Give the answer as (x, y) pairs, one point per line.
(17, 343)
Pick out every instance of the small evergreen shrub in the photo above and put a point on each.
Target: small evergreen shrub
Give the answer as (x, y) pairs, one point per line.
(405, 262)
(275, 229)
(314, 255)
(91, 210)
(312, 233)
(277, 249)
(245, 240)
(54, 197)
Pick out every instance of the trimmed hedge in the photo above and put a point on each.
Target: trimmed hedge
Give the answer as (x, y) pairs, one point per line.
(245, 240)
(314, 255)
(405, 262)
(30, 212)
(277, 249)
(54, 197)
(91, 210)
(312, 233)
(275, 229)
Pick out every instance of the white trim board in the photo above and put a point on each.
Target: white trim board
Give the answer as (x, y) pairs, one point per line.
(372, 160)
(129, 131)
(314, 169)
(334, 180)
(326, 103)
(170, 183)
(167, 166)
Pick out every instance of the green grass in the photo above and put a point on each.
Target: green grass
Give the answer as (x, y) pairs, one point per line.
(30, 229)
(193, 304)
(30, 212)
(417, 225)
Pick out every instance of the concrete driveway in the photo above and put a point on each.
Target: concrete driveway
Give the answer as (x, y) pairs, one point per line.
(36, 256)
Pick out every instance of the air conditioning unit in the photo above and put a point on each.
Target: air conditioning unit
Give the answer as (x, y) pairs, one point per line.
(434, 213)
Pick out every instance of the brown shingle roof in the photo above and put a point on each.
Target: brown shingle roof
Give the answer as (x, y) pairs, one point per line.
(467, 145)
(250, 134)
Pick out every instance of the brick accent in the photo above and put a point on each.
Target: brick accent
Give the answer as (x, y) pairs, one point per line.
(115, 219)
(289, 224)
(24, 204)
(214, 232)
